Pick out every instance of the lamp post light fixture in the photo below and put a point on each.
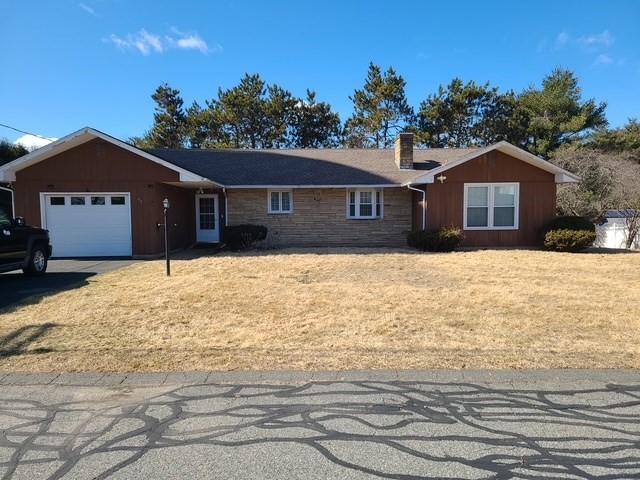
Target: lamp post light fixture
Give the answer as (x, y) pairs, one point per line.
(166, 205)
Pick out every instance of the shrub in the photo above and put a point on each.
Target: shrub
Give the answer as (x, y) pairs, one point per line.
(571, 223)
(566, 240)
(242, 237)
(442, 240)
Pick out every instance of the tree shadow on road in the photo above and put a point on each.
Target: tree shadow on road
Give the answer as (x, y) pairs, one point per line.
(397, 429)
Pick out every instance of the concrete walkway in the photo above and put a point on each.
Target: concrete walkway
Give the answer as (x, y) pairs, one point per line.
(581, 424)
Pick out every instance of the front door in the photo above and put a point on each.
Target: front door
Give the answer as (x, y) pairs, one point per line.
(207, 229)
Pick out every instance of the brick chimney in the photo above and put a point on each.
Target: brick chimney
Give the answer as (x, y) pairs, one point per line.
(404, 150)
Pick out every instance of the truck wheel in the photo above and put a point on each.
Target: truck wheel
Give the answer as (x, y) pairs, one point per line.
(37, 262)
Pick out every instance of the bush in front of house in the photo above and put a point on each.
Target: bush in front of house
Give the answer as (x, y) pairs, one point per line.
(571, 222)
(569, 233)
(242, 237)
(566, 240)
(442, 240)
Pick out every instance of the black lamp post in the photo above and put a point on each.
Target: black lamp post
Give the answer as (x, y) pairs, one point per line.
(166, 205)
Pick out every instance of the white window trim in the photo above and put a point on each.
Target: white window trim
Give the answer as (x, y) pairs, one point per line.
(491, 205)
(279, 192)
(373, 194)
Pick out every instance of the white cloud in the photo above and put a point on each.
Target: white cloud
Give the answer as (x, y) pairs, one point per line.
(193, 42)
(148, 39)
(562, 39)
(597, 46)
(590, 42)
(87, 8)
(31, 142)
(143, 41)
(604, 39)
(604, 59)
(117, 41)
(146, 43)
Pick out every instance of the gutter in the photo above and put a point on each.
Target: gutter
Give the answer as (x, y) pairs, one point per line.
(424, 204)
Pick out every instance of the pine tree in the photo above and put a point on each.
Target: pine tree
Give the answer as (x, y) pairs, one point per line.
(314, 125)
(623, 139)
(242, 112)
(279, 107)
(380, 110)
(168, 130)
(467, 114)
(557, 114)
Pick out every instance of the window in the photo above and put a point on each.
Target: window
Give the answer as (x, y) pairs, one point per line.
(97, 200)
(56, 200)
(77, 200)
(364, 203)
(491, 206)
(5, 217)
(117, 200)
(280, 201)
(477, 207)
(207, 212)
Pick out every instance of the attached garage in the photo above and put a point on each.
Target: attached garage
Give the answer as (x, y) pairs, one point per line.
(99, 196)
(88, 224)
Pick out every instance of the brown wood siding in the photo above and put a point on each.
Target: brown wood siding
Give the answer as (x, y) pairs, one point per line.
(98, 166)
(445, 202)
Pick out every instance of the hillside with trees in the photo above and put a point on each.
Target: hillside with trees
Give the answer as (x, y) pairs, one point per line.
(10, 151)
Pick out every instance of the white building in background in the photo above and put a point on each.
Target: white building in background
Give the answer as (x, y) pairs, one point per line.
(613, 232)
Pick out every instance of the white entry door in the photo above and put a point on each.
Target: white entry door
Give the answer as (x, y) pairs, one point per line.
(207, 229)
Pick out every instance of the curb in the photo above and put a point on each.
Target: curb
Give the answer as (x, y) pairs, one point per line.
(485, 377)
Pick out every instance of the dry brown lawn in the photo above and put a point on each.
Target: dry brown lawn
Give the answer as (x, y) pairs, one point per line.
(340, 309)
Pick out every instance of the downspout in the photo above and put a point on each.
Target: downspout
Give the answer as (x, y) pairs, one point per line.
(226, 209)
(424, 204)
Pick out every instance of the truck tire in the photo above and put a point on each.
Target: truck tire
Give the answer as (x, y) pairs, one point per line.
(37, 261)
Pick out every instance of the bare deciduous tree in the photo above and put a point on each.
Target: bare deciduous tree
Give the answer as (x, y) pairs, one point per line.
(610, 180)
(627, 198)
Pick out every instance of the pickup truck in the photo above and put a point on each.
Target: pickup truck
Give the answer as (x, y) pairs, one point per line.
(22, 247)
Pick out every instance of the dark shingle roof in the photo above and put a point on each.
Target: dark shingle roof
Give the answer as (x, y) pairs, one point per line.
(306, 166)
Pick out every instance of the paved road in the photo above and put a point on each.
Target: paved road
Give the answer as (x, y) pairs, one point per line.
(350, 425)
(61, 275)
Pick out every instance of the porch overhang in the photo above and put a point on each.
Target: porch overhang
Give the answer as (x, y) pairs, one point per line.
(196, 184)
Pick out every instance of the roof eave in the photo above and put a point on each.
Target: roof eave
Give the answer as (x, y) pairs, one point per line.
(561, 175)
(290, 186)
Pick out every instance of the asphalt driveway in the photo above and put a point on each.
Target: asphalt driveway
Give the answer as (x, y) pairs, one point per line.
(580, 424)
(61, 275)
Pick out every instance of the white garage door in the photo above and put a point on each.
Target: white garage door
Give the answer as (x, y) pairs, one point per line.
(88, 224)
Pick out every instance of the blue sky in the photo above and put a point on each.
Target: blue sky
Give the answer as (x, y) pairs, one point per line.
(67, 64)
